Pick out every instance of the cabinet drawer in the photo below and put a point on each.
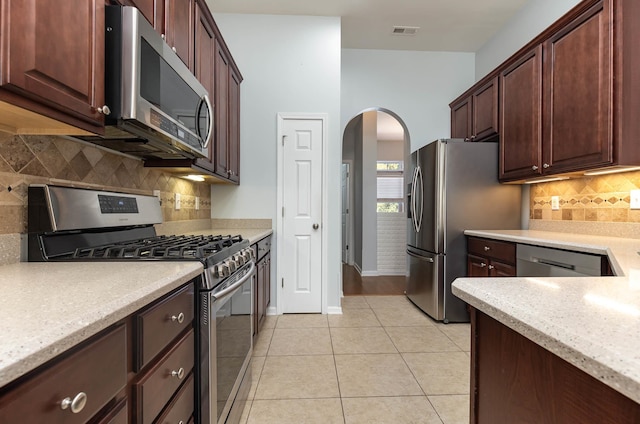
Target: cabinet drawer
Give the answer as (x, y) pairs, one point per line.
(156, 387)
(99, 370)
(502, 250)
(264, 246)
(181, 409)
(163, 322)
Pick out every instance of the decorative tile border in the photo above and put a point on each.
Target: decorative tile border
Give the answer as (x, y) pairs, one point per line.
(598, 199)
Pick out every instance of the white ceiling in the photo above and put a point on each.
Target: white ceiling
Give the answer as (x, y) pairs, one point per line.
(445, 25)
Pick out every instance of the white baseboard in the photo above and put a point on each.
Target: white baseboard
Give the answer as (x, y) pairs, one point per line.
(271, 310)
(369, 274)
(392, 272)
(334, 310)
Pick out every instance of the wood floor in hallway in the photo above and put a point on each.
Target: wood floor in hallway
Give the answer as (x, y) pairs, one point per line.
(355, 285)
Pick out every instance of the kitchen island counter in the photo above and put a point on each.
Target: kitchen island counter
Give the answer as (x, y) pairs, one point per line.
(49, 307)
(591, 322)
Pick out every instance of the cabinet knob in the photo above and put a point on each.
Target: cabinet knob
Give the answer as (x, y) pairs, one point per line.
(174, 49)
(487, 248)
(491, 267)
(534, 167)
(546, 165)
(473, 137)
(163, 36)
(466, 139)
(179, 374)
(179, 318)
(76, 404)
(104, 110)
(482, 264)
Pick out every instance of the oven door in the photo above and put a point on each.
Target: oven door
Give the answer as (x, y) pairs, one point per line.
(226, 334)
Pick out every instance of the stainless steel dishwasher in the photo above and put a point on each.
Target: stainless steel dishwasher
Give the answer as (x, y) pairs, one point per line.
(536, 261)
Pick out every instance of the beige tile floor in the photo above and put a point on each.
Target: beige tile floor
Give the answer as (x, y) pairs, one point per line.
(382, 361)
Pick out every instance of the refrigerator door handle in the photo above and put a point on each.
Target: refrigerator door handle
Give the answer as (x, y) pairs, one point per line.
(418, 214)
(424, 258)
(413, 201)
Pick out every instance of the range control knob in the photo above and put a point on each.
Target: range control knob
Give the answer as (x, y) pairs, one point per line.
(240, 260)
(233, 265)
(221, 270)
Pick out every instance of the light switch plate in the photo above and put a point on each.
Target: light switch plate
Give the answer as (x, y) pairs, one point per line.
(635, 199)
(197, 203)
(555, 203)
(177, 201)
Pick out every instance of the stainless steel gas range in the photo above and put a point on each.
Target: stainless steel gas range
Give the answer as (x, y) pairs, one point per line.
(72, 224)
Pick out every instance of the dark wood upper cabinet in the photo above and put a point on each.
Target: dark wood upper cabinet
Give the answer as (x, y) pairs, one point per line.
(485, 111)
(578, 99)
(227, 112)
(53, 69)
(520, 125)
(179, 33)
(474, 115)
(221, 113)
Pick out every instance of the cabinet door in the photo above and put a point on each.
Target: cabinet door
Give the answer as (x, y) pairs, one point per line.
(485, 111)
(147, 8)
(204, 66)
(499, 269)
(520, 117)
(260, 297)
(60, 65)
(221, 91)
(267, 281)
(234, 127)
(578, 65)
(179, 18)
(477, 266)
(461, 119)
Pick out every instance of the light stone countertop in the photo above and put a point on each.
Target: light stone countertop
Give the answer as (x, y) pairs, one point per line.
(591, 322)
(49, 307)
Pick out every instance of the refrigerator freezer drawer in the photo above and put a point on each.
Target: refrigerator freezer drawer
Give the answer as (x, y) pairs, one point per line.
(425, 284)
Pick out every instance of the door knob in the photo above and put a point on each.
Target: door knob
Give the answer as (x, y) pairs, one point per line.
(316, 226)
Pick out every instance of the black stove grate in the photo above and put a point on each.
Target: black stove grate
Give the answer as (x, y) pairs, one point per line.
(160, 247)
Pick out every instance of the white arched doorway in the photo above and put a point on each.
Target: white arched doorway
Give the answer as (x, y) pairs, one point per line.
(376, 145)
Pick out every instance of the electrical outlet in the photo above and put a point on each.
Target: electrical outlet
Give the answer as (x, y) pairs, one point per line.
(197, 203)
(555, 203)
(156, 193)
(635, 199)
(177, 201)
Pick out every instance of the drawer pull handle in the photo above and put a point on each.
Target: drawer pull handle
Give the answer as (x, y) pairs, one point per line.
(482, 264)
(179, 373)
(77, 404)
(491, 267)
(179, 318)
(487, 248)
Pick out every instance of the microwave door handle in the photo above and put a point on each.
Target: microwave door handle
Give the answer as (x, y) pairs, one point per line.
(206, 101)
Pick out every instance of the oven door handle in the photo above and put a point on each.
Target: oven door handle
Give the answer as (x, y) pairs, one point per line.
(232, 288)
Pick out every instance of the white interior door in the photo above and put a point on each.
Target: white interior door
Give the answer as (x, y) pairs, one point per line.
(301, 239)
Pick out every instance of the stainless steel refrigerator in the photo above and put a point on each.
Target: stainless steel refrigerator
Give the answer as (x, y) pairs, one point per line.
(454, 187)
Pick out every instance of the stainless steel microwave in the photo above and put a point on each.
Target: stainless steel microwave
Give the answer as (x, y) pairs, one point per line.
(155, 107)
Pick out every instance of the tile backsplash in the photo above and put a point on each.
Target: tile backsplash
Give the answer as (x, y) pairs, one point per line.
(26, 160)
(603, 198)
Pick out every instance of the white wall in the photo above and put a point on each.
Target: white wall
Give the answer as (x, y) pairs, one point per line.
(534, 18)
(417, 86)
(289, 64)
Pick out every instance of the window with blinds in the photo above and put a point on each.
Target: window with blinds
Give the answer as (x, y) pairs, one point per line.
(390, 186)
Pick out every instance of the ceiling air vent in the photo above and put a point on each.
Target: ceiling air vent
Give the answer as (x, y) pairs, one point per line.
(405, 30)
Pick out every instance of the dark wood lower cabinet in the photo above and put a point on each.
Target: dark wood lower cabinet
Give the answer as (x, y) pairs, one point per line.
(514, 380)
(103, 371)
